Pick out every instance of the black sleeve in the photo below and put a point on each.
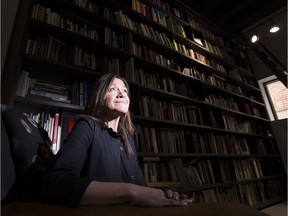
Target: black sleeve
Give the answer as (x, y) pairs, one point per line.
(140, 179)
(63, 183)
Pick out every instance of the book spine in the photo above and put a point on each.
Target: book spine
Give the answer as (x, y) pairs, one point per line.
(55, 132)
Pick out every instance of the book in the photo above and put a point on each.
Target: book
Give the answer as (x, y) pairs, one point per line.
(55, 132)
(181, 173)
(71, 124)
(58, 144)
(56, 97)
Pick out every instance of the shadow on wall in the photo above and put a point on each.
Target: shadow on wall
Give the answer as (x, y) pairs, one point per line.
(280, 131)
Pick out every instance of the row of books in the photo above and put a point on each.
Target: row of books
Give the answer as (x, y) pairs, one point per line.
(171, 23)
(174, 111)
(160, 171)
(31, 86)
(57, 126)
(83, 58)
(159, 81)
(253, 193)
(150, 12)
(198, 173)
(118, 40)
(207, 33)
(88, 5)
(155, 57)
(251, 110)
(230, 103)
(165, 6)
(234, 124)
(265, 147)
(213, 80)
(201, 171)
(249, 194)
(167, 140)
(227, 144)
(141, 28)
(222, 101)
(219, 52)
(53, 49)
(174, 25)
(197, 37)
(49, 48)
(223, 84)
(76, 93)
(216, 81)
(162, 38)
(182, 14)
(52, 124)
(246, 169)
(179, 112)
(162, 140)
(60, 43)
(123, 67)
(66, 21)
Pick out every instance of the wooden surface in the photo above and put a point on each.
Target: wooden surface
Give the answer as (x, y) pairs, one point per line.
(195, 209)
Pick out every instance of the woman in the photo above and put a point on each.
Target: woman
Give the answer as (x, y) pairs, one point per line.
(97, 164)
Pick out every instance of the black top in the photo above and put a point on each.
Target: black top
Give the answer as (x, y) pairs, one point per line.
(89, 153)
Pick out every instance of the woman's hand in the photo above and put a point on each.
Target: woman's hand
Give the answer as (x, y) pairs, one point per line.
(145, 196)
(170, 194)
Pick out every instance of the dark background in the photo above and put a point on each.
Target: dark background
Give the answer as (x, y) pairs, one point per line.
(233, 16)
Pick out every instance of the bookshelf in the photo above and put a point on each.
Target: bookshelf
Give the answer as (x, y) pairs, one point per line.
(202, 127)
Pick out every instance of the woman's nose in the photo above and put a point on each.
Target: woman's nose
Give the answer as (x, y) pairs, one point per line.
(120, 92)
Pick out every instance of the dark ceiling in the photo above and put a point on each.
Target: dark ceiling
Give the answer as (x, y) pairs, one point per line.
(233, 16)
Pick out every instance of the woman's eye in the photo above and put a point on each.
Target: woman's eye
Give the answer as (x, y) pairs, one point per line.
(112, 89)
(117, 89)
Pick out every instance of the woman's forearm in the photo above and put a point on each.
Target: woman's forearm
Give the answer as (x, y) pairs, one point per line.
(103, 193)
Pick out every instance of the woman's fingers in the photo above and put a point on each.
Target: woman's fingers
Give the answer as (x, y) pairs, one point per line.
(178, 197)
(175, 195)
(169, 194)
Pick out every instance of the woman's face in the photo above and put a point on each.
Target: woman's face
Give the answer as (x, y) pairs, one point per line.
(116, 99)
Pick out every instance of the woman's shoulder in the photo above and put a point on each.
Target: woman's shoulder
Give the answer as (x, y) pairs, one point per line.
(88, 121)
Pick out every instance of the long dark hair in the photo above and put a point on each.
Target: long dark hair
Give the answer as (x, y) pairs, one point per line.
(96, 102)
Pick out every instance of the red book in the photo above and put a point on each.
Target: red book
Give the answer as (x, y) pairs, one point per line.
(71, 125)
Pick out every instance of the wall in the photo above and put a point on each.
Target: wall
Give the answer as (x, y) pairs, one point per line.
(277, 45)
(280, 131)
(8, 13)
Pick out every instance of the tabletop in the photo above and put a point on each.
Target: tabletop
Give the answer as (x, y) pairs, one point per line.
(199, 209)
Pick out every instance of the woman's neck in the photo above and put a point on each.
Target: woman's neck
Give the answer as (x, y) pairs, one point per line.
(113, 124)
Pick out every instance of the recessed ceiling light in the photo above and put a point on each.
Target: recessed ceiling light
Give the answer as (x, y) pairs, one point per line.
(254, 38)
(274, 29)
